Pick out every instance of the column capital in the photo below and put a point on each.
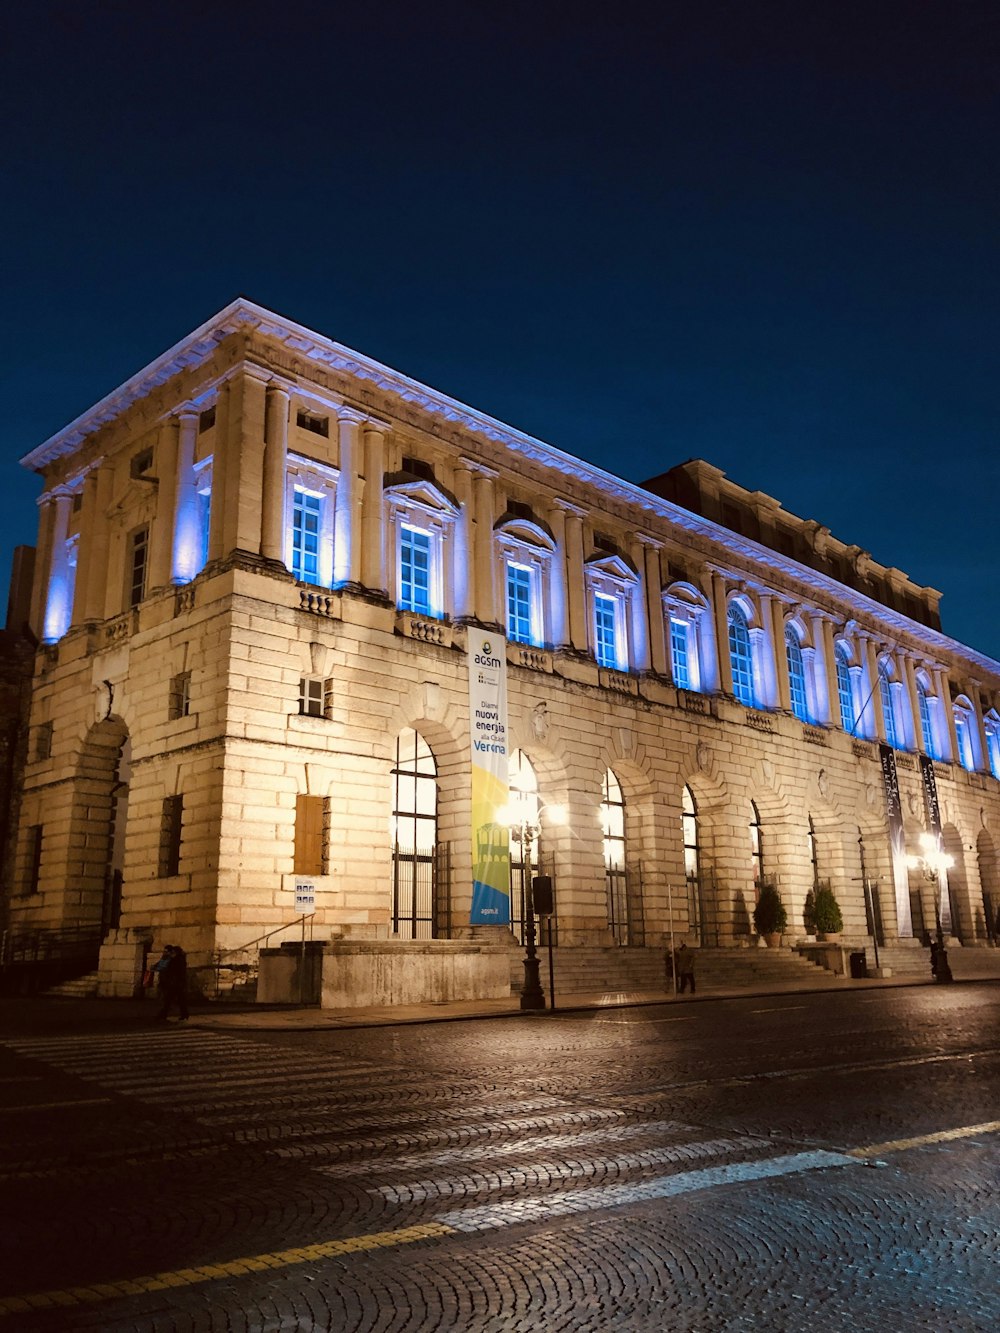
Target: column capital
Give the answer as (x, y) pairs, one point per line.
(350, 416)
(476, 469)
(569, 509)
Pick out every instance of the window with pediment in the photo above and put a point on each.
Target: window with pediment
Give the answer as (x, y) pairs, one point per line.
(310, 493)
(685, 609)
(991, 724)
(422, 516)
(525, 547)
(965, 732)
(741, 653)
(797, 681)
(611, 583)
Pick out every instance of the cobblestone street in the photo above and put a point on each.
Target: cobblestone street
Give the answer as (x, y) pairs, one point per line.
(791, 1162)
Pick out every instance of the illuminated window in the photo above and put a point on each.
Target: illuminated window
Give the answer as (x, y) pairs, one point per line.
(414, 839)
(796, 674)
(845, 688)
(615, 876)
(307, 513)
(992, 725)
(607, 631)
(416, 551)
(522, 604)
(964, 726)
(686, 609)
(888, 706)
(692, 869)
(679, 655)
(741, 655)
(926, 721)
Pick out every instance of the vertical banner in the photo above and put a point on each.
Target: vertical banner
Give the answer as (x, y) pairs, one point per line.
(487, 655)
(933, 809)
(897, 841)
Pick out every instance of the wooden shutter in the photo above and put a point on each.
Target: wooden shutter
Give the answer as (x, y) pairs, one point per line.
(309, 835)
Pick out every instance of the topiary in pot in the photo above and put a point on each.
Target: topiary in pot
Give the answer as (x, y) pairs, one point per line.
(809, 913)
(826, 913)
(769, 915)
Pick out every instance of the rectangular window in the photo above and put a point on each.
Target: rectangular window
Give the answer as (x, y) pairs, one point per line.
(179, 704)
(43, 741)
(206, 420)
(33, 858)
(415, 570)
(520, 596)
(205, 520)
(310, 421)
(606, 631)
(311, 835)
(170, 836)
(141, 463)
(313, 695)
(307, 511)
(679, 663)
(138, 556)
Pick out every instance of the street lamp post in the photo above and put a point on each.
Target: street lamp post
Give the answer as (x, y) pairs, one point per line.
(932, 863)
(525, 827)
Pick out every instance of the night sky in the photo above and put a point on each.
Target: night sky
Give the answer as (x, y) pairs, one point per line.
(764, 234)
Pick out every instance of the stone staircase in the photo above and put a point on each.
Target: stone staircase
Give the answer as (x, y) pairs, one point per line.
(80, 988)
(583, 970)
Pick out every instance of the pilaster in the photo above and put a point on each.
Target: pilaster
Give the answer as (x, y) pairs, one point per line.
(162, 534)
(346, 552)
(373, 569)
(272, 508)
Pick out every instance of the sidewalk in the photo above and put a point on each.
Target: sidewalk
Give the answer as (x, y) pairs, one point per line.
(51, 1013)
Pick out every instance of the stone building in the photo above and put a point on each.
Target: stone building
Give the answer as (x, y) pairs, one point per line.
(257, 568)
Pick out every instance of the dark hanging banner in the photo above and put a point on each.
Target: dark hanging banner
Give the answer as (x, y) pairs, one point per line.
(934, 824)
(897, 841)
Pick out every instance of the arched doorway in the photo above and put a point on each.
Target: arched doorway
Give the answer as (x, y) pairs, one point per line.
(989, 880)
(99, 822)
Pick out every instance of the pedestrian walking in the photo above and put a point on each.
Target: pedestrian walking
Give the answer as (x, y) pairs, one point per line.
(171, 971)
(685, 968)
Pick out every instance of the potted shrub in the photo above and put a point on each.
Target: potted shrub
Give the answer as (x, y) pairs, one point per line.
(826, 913)
(769, 915)
(809, 913)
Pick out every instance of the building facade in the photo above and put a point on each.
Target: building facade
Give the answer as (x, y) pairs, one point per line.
(257, 564)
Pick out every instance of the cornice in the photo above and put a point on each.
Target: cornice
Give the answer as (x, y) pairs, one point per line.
(246, 317)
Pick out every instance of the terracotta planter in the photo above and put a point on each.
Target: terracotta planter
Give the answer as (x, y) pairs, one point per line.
(829, 936)
(773, 941)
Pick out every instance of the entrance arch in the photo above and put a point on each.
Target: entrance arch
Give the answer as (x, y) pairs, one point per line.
(96, 872)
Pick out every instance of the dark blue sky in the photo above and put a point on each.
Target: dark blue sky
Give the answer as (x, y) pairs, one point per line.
(760, 233)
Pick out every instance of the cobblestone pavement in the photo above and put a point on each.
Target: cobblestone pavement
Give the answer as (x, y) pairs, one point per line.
(817, 1162)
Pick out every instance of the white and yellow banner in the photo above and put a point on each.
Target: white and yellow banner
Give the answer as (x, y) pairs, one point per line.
(487, 655)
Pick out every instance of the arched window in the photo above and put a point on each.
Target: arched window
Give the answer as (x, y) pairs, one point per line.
(992, 724)
(523, 787)
(756, 846)
(964, 725)
(613, 828)
(796, 673)
(886, 693)
(414, 839)
(926, 720)
(692, 869)
(845, 690)
(741, 655)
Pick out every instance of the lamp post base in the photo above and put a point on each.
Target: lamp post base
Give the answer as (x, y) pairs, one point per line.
(532, 995)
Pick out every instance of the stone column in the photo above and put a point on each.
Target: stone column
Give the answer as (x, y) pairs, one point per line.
(579, 638)
(639, 627)
(96, 573)
(977, 708)
(872, 718)
(720, 611)
(373, 567)
(220, 468)
(558, 633)
(272, 506)
(947, 714)
(162, 533)
(774, 624)
(239, 456)
(654, 606)
(187, 546)
(58, 597)
(463, 591)
(914, 731)
(823, 634)
(89, 527)
(43, 562)
(484, 565)
(346, 552)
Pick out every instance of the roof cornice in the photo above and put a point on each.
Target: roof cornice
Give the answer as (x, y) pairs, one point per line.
(240, 314)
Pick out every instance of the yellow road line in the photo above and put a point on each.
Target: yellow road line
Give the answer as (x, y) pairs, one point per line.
(186, 1277)
(942, 1136)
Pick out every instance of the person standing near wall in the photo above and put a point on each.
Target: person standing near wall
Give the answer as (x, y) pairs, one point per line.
(173, 982)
